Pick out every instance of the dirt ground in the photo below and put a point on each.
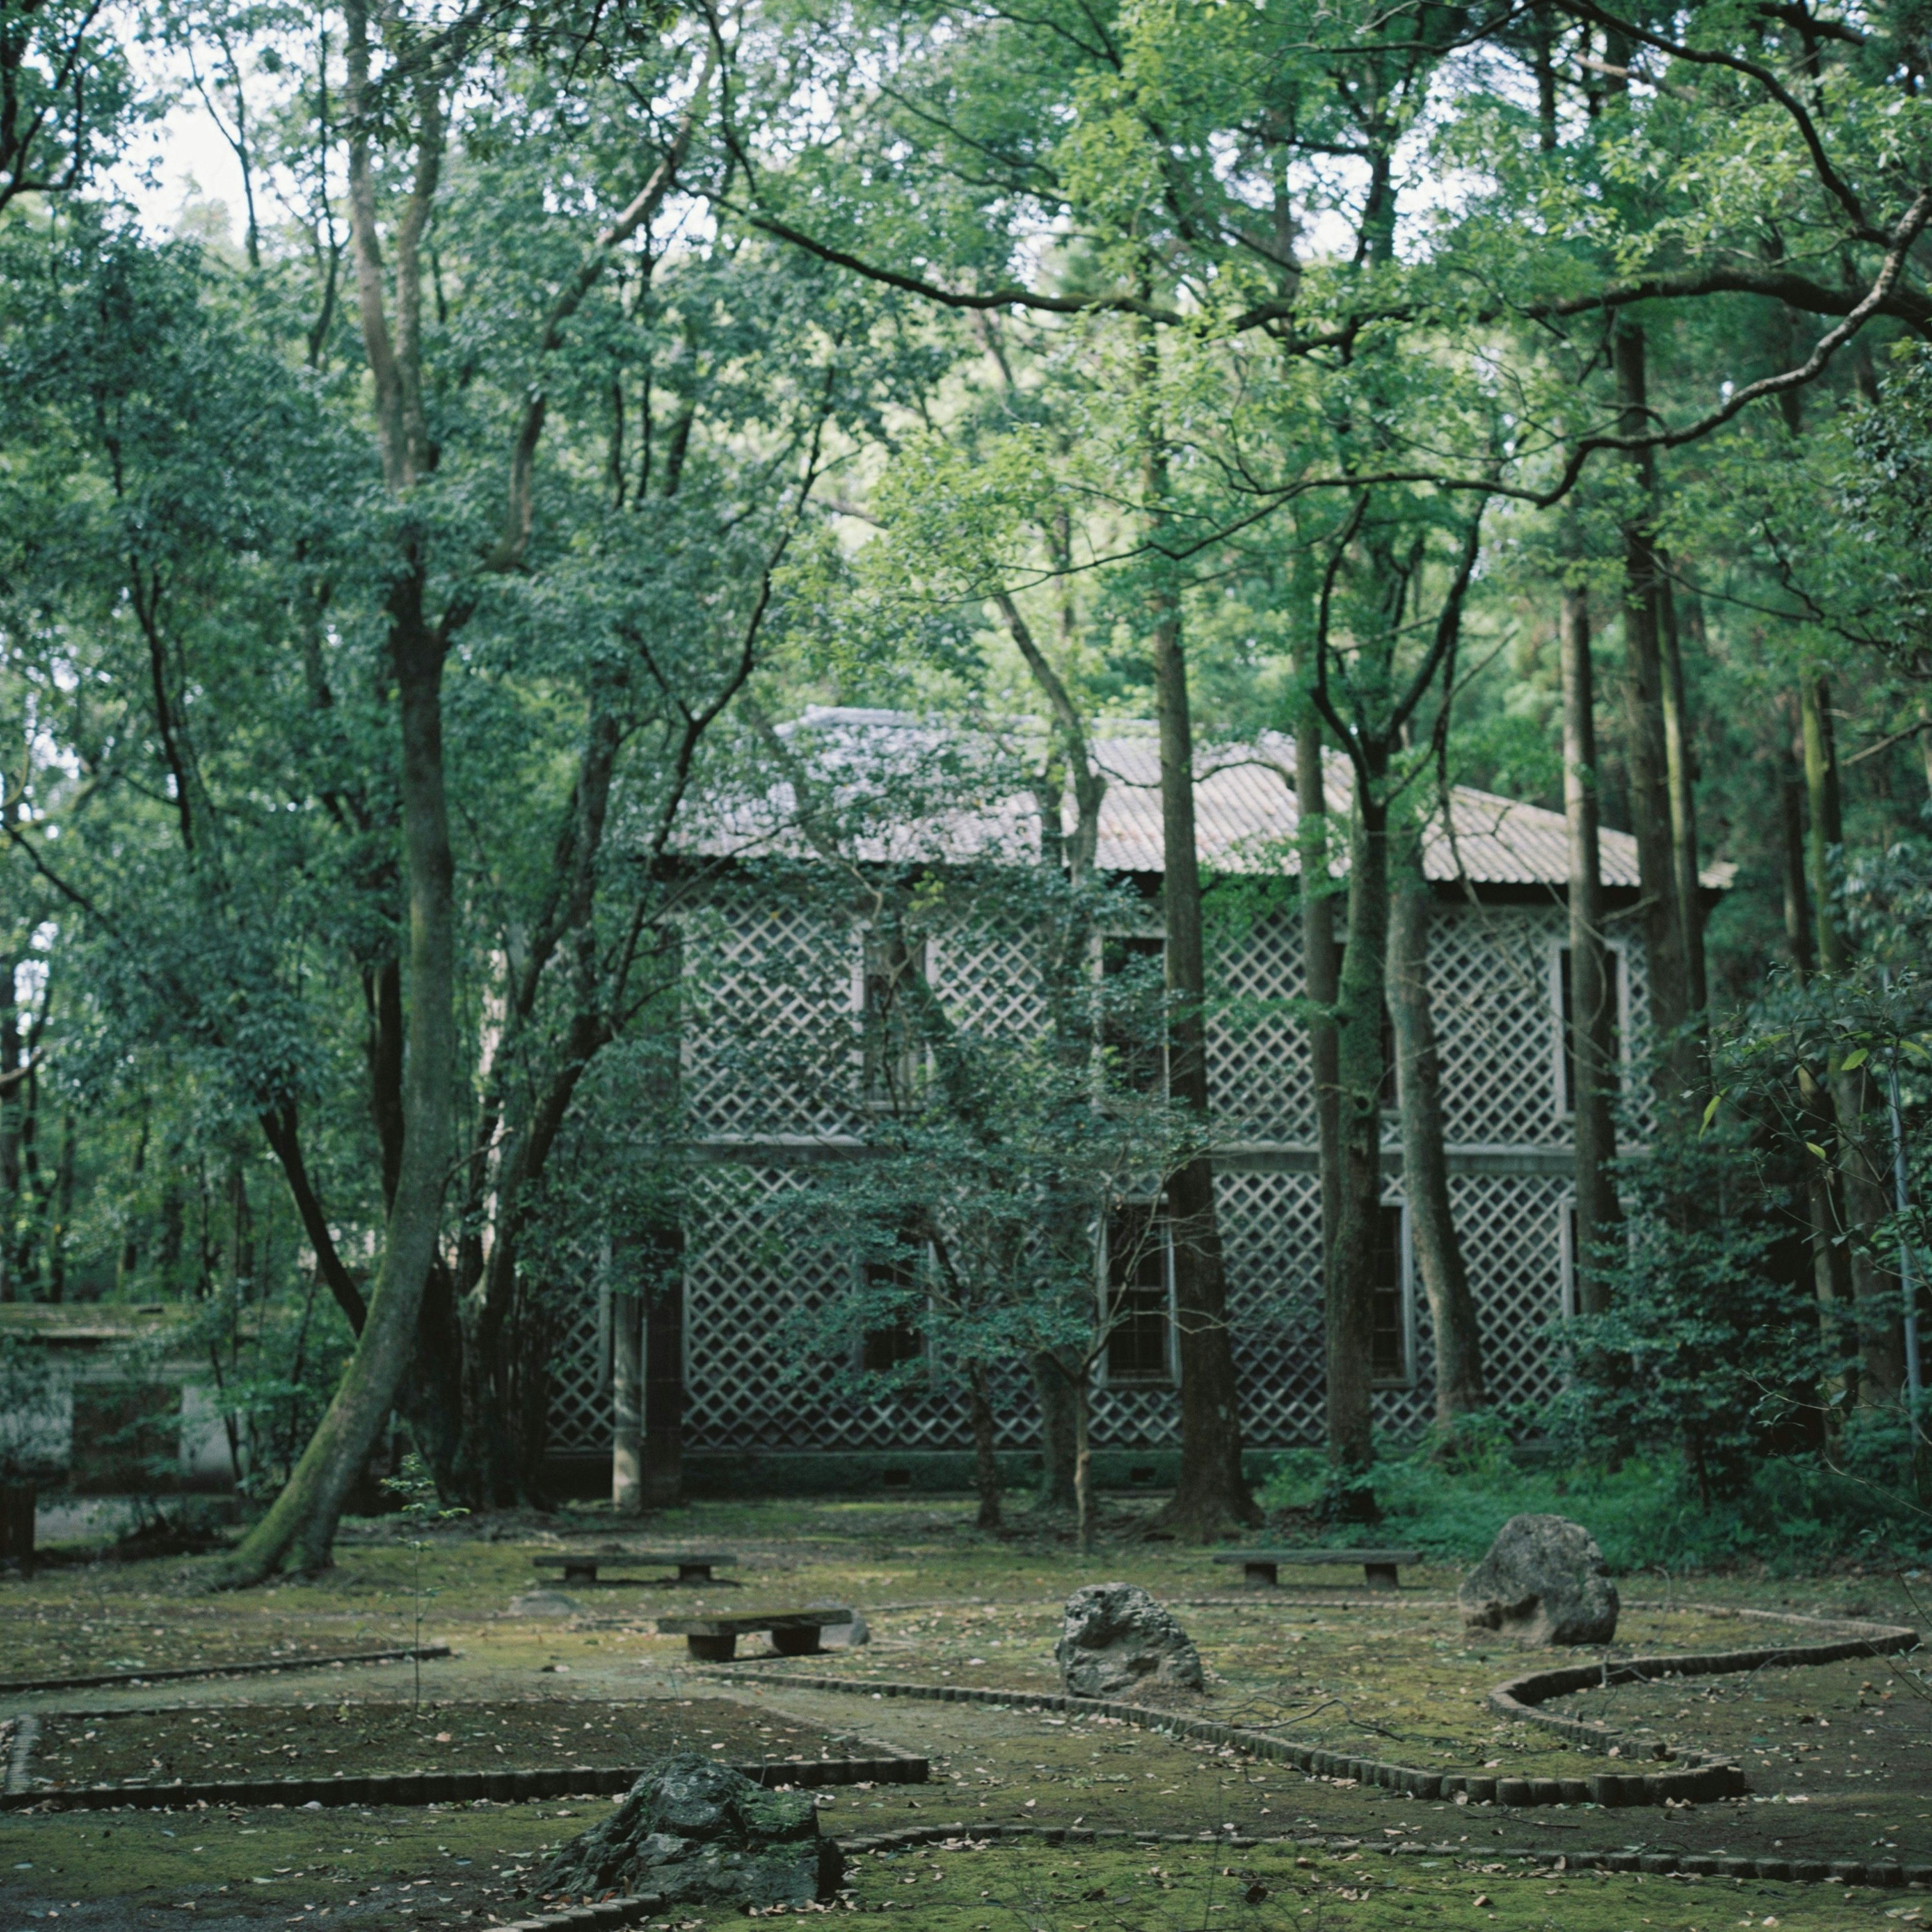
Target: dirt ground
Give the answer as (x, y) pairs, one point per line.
(1320, 1661)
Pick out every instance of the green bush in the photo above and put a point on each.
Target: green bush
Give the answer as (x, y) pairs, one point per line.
(1794, 1513)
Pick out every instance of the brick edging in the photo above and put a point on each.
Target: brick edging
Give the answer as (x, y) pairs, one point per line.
(451, 1787)
(1698, 1784)
(1883, 1872)
(11, 1685)
(1517, 1698)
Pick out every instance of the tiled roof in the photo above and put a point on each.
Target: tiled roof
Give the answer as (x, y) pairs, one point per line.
(1245, 820)
(1245, 817)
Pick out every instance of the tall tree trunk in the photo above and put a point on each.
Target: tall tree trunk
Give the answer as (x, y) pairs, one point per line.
(1053, 1390)
(1350, 1286)
(1318, 969)
(1460, 1386)
(1677, 760)
(1592, 1016)
(1212, 1497)
(1881, 1337)
(299, 1529)
(627, 1404)
(1648, 757)
(985, 1457)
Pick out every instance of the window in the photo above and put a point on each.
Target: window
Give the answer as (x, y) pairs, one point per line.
(1133, 1018)
(889, 1028)
(1138, 1294)
(891, 1289)
(1563, 1006)
(1392, 1350)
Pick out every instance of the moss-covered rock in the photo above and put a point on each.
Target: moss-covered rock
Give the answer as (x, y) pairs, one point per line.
(700, 1833)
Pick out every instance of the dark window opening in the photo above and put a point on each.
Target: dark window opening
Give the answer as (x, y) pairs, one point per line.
(891, 1283)
(1389, 1349)
(896, 1479)
(1141, 1472)
(1132, 1022)
(1136, 1309)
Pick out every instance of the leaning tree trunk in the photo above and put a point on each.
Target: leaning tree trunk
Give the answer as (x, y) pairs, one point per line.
(1459, 1388)
(1349, 1296)
(1592, 1016)
(299, 1529)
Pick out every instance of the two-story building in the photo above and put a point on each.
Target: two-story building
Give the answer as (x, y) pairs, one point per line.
(793, 966)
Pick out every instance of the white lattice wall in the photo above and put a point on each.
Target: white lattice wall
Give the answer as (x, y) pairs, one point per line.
(771, 1052)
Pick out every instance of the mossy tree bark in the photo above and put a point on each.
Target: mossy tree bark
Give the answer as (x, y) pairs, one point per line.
(1460, 1386)
(1592, 1017)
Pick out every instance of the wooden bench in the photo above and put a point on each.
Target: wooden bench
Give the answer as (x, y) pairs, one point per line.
(714, 1640)
(1378, 1565)
(580, 1566)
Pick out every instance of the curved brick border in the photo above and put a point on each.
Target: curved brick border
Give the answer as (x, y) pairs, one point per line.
(1517, 1699)
(265, 1668)
(1693, 1784)
(1700, 1783)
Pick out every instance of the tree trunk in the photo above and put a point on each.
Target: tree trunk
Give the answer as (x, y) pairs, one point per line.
(1319, 970)
(1683, 794)
(299, 1529)
(1648, 757)
(1861, 1179)
(1053, 1388)
(985, 1459)
(1425, 1164)
(1083, 1461)
(1211, 1497)
(1592, 1016)
(1350, 1282)
(627, 1404)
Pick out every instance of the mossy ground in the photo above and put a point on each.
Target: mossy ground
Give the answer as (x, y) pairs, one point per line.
(283, 1740)
(463, 1867)
(1320, 1659)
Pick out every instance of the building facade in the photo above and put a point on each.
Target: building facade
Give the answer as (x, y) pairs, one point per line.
(781, 969)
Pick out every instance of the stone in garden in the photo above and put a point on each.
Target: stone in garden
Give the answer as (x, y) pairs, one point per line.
(1543, 1582)
(542, 1604)
(699, 1833)
(1116, 1639)
(844, 1637)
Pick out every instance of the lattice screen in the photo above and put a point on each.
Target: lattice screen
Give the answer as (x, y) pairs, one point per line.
(579, 1398)
(771, 1052)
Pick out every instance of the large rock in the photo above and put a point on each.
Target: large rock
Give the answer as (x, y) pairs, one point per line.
(1116, 1639)
(1544, 1581)
(700, 1833)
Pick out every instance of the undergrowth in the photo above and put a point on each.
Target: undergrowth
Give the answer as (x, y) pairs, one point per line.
(1795, 1514)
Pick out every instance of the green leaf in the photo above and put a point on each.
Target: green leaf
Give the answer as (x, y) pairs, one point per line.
(1813, 1148)
(1853, 1059)
(1710, 1110)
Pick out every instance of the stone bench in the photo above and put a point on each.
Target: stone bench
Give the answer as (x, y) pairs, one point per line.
(1379, 1566)
(714, 1640)
(580, 1566)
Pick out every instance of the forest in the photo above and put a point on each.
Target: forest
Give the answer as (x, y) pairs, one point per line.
(414, 569)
